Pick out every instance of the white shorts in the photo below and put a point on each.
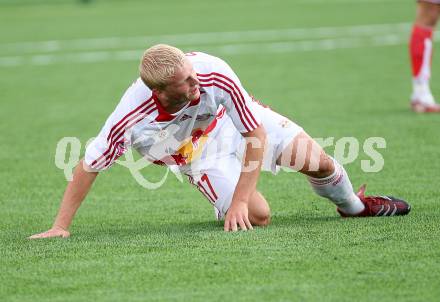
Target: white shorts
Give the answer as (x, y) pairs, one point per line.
(216, 172)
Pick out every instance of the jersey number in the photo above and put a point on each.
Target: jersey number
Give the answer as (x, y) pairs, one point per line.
(205, 187)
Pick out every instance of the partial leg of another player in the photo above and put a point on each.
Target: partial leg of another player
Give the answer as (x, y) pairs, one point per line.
(420, 48)
(330, 180)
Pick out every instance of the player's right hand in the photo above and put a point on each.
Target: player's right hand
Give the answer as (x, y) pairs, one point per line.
(237, 216)
(53, 232)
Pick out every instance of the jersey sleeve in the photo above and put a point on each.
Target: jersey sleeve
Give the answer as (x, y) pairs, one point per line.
(238, 103)
(107, 147)
(114, 138)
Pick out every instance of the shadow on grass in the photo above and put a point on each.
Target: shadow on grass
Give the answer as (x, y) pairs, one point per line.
(196, 227)
(302, 219)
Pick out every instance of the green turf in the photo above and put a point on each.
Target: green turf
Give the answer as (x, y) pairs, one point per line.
(132, 244)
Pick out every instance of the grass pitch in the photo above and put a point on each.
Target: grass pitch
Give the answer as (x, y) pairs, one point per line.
(63, 67)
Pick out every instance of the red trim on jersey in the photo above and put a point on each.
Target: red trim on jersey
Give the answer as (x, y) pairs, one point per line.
(128, 115)
(115, 142)
(231, 94)
(119, 128)
(165, 116)
(116, 135)
(236, 89)
(124, 125)
(115, 155)
(241, 101)
(233, 99)
(241, 107)
(178, 159)
(121, 124)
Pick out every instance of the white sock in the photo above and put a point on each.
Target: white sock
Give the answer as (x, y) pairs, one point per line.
(422, 92)
(337, 187)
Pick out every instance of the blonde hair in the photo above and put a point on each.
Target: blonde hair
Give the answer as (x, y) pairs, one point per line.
(159, 63)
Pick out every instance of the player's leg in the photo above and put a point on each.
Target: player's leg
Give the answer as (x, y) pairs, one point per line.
(327, 177)
(295, 149)
(427, 13)
(330, 180)
(289, 146)
(292, 148)
(217, 179)
(259, 211)
(421, 49)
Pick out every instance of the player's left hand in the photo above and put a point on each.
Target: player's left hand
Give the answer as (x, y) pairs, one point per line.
(237, 215)
(53, 232)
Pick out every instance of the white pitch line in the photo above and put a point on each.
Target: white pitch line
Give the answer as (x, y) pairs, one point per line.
(208, 38)
(309, 45)
(372, 40)
(228, 49)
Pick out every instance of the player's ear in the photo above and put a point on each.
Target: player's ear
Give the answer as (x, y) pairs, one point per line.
(158, 92)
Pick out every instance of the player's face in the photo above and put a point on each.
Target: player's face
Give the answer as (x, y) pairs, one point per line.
(184, 86)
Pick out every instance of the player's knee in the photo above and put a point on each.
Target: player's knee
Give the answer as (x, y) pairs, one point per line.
(427, 14)
(259, 210)
(262, 220)
(260, 217)
(265, 220)
(326, 167)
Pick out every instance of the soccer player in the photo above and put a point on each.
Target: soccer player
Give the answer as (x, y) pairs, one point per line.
(191, 112)
(420, 48)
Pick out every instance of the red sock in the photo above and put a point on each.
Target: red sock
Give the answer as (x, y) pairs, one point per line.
(418, 52)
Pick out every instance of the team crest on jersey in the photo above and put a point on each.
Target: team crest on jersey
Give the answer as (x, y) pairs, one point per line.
(162, 134)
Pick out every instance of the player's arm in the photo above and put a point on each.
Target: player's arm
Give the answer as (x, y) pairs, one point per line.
(112, 141)
(75, 193)
(247, 183)
(244, 115)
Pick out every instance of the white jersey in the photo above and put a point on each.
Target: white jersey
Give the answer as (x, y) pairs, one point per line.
(140, 122)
